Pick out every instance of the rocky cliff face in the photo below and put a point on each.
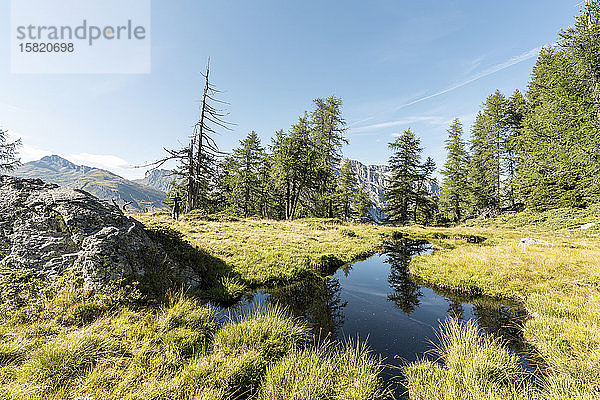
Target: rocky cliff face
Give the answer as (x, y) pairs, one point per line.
(375, 178)
(159, 179)
(53, 229)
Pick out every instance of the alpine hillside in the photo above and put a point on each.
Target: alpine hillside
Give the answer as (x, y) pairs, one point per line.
(98, 182)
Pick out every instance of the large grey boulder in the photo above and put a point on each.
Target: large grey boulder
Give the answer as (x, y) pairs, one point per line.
(53, 229)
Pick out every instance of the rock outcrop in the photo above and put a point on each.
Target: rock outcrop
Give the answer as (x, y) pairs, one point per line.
(375, 179)
(533, 242)
(52, 229)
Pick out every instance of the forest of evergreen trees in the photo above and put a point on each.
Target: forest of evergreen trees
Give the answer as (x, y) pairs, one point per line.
(299, 174)
(538, 150)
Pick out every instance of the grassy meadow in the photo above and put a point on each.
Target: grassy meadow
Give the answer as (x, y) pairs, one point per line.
(59, 342)
(559, 285)
(248, 253)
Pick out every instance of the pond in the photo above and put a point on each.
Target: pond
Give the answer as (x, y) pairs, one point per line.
(377, 300)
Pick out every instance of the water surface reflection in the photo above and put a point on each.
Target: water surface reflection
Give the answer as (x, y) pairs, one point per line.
(377, 299)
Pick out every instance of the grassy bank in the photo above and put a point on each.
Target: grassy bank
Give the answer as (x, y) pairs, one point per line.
(473, 367)
(251, 253)
(559, 285)
(57, 342)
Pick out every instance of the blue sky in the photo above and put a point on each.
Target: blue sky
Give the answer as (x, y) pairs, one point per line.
(396, 64)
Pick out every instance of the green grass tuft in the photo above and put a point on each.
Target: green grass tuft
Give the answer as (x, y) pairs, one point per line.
(325, 372)
(474, 366)
(266, 330)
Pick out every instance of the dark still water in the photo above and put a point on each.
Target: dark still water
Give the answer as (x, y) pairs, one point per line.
(377, 300)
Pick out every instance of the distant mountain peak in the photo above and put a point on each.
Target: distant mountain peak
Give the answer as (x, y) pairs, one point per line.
(375, 179)
(53, 158)
(99, 182)
(57, 162)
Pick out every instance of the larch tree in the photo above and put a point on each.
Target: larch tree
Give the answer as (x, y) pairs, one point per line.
(559, 145)
(515, 111)
(294, 165)
(425, 202)
(487, 148)
(404, 172)
(328, 128)
(8, 152)
(266, 189)
(198, 160)
(362, 203)
(346, 190)
(245, 175)
(454, 195)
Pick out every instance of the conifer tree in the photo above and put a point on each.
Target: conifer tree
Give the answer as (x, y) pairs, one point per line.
(362, 203)
(222, 199)
(404, 171)
(454, 194)
(294, 165)
(425, 203)
(328, 128)
(266, 190)
(582, 42)
(515, 111)
(8, 152)
(559, 145)
(346, 190)
(245, 177)
(487, 147)
(198, 160)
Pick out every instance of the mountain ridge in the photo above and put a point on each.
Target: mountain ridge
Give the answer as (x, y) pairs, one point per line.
(150, 192)
(101, 183)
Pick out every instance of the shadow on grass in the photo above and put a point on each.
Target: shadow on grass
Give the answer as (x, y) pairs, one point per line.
(219, 282)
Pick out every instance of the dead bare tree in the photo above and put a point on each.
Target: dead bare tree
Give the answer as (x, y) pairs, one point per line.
(197, 159)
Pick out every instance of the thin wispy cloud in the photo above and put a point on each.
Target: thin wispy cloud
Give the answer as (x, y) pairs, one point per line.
(108, 161)
(492, 70)
(360, 121)
(10, 108)
(433, 120)
(437, 120)
(472, 65)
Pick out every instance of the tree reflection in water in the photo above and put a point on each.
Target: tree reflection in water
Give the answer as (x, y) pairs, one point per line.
(317, 301)
(502, 319)
(406, 293)
(321, 302)
(456, 309)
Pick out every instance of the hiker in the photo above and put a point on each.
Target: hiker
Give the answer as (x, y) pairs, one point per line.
(176, 207)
